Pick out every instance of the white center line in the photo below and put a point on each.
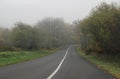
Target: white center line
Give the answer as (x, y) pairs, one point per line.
(56, 70)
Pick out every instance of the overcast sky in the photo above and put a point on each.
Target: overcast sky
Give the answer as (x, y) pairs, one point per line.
(31, 11)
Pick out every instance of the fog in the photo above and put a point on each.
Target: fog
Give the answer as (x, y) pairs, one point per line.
(31, 11)
(32, 29)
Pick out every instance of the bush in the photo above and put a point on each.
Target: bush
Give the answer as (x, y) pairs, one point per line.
(101, 29)
(9, 48)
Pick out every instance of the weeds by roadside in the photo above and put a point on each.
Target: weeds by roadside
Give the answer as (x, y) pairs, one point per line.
(110, 67)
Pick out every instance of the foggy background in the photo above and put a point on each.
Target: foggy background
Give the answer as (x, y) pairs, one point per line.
(31, 11)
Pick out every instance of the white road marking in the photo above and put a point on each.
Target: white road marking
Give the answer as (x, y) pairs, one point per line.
(56, 70)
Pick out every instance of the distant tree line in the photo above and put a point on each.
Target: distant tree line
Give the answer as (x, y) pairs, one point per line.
(48, 33)
(100, 31)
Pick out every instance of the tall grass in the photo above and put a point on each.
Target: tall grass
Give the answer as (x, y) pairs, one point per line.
(109, 65)
(11, 57)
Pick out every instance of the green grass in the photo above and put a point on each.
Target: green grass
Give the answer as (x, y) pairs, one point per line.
(12, 57)
(111, 67)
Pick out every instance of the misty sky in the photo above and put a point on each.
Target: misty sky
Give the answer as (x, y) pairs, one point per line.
(31, 11)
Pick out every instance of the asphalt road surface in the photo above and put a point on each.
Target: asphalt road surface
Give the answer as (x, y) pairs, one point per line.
(64, 64)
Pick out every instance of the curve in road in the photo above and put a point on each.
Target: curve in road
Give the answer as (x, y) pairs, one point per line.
(65, 64)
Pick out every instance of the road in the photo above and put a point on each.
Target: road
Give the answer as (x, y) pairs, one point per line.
(64, 64)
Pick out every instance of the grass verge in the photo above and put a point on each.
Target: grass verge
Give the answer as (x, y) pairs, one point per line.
(12, 57)
(110, 67)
